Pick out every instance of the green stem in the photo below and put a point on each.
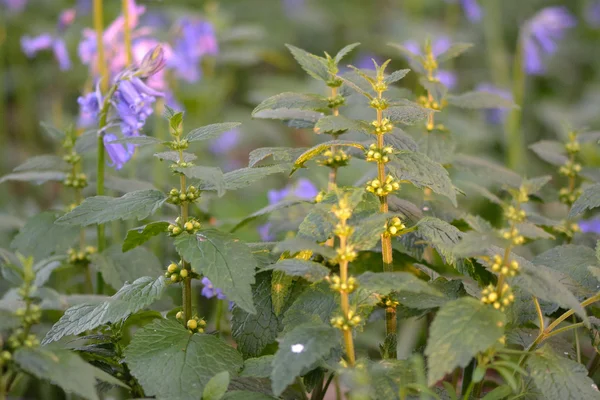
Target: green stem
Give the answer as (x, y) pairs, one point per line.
(594, 364)
(327, 385)
(577, 344)
(496, 50)
(219, 315)
(514, 139)
(127, 33)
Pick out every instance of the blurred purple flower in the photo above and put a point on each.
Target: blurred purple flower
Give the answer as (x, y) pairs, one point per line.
(84, 7)
(495, 116)
(209, 291)
(541, 35)
(292, 7)
(15, 6)
(66, 19)
(195, 40)
(32, 45)
(226, 142)
(439, 46)
(592, 13)
(471, 8)
(89, 108)
(119, 153)
(365, 61)
(264, 232)
(590, 226)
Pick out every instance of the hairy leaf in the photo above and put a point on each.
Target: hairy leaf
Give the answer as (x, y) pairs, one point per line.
(338, 124)
(313, 65)
(550, 151)
(279, 154)
(174, 156)
(387, 282)
(441, 235)
(244, 177)
(292, 101)
(588, 200)
(396, 76)
(43, 163)
(573, 261)
(138, 140)
(408, 115)
(211, 177)
(258, 367)
(138, 236)
(367, 232)
(117, 267)
(210, 131)
(315, 304)
(36, 177)
(344, 51)
(309, 270)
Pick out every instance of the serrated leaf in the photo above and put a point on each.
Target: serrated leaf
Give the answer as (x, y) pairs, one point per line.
(396, 76)
(531, 231)
(211, 177)
(279, 154)
(313, 65)
(309, 270)
(454, 51)
(408, 115)
(52, 132)
(356, 82)
(258, 367)
(399, 140)
(338, 124)
(450, 290)
(226, 261)
(140, 235)
(299, 349)
(590, 198)
(315, 304)
(41, 237)
(479, 100)
(437, 146)
(216, 387)
(118, 267)
(174, 156)
(268, 210)
(367, 232)
(43, 163)
(387, 282)
(44, 268)
(138, 140)
(487, 170)
(175, 120)
(101, 209)
(295, 245)
(573, 261)
(461, 329)
(437, 89)
(244, 177)
(36, 177)
(169, 112)
(422, 172)
(558, 378)
(210, 131)
(441, 235)
(344, 51)
(128, 300)
(320, 148)
(292, 101)
(550, 151)
(254, 332)
(169, 362)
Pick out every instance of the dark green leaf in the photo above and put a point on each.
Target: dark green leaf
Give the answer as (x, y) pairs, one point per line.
(313, 65)
(367, 232)
(315, 304)
(295, 245)
(441, 235)
(210, 131)
(118, 268)
(258, 367)
(211, 177)
(246, 395)
(309, 270)
(138, 236)
(338, 124)
(588, 200)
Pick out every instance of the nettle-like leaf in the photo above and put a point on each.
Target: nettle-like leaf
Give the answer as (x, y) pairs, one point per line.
(344, 51)
(320, 148)
(443, 236)
(550, 151)
(258, 367)
(438, 146)
(211, 177)
(101, 209)
(367, 231)
(41, 237)
(400, 140)
(35, 177)
(455, 50)
(268, 210)
(300, 348)
(169, 362)
(396, 76)
(210, 131)
(559, 378)
(244, 177)
(281, 289)
(338, 124)
(43, 163)
(461, 329)
(226, 261)
(118, 267)
(315, 66)
(254, 332)
(488, 170)
(573, 261)
(407, 115)
(64, 369)
(315, 304)
(138, 236)
(588, 200)
(291, 101)
(53, 132)
(387, 282)
(480, 99)
(139, 140)
(278, 154)
(174, 156)
(309, 270)
(437, 89)
(297, 244)
(422, 172)
(128, 300)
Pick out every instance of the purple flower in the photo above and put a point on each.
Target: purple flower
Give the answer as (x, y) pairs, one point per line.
(590, 226)
(32, 45)
(65, 19)
(15, 6)
(291, 7)
(541, 35)
(495, 116)
(592, 13)
(89, 108)
(226, 142)
(119, 153)
(209, 291)
(264, 232)
(133, 103)
(471, 8)
(365, 61)
(195, 40)
(439, 46)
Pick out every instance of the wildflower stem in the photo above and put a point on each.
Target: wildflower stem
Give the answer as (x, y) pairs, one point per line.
(514, 139)
(127, 33)
(332, 184)
(345, 302)
(187, 281)
(540, 315)
(99, 28)
(495, 44)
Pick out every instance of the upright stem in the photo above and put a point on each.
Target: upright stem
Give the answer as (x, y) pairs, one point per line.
(187, 281)
(127, 33)
(496, 51)
(514, 140)
(99, 28)
(345, 304)
(332, 184)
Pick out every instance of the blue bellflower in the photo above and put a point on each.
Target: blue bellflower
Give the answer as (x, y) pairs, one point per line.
(196, 39)
(541, 36)
(133, 102)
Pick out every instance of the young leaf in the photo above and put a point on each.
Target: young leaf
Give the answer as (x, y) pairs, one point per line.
(407, 115)
(344, 51)
(309, 270)
(128, 300)
(461, 329)
(169, 362)
(550, 151)
(387, 282)
(292, 101)
(43, 163)
(210, 131)
(117, 267)
(211, 177)
(338, 124)
(226, 261)
(396, 76)
(479, 100)
(279, 154)
(244, 177)
(138, 236)
(588, 200)
(559, 378)
(216, 387)
(454, 51)
(101, 209)
(313, 65)
(299, 349)
(36, 177)
(52, 132)
(320, 148)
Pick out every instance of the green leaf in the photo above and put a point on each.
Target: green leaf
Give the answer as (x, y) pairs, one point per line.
(64, 369)
(573, 261)
(210, 131)
(254, 332)
(408, 115)
(52, 132)
(279, 154)
(174, 156)
(344, 51)
(36, 177)
(443, 236)
(320, 148)
(309, 270)
(588, 200)
(8, 321)
(387, 282)
(140, 235)
(281, 287)
(169, 362)
(367, 232)
(226, 261)
(399, 140)
(244, 177)
(461, 329)
(454, 51)
(128, 300)
(550, 151)
(480, 99)
(422, 172)
(531, 231)
(44, 268)
(216, 387)
(40, 237)
(313, 65)
(268, 210)
(117, 267)
(338, 124)
(258, 367)
(138, 140)
(43, 163)
(451, 290)
(175, 120)
(356, 81)
(101, 209)
(291, 101)
(169, 112)
(558, 378)
(299, 349)
(437, 89)
(295, 245)
(246, 395)
(396, 76)
(487, 170)
(315, 304)
(211, 177)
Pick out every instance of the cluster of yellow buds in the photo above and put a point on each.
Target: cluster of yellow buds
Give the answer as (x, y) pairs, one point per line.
(382, 155)
(567, 196)
(347, 254)
(498, 299)
(572, 146)
(568, 228)
(176, 273)
(346, 323)
(382, 127)
(388, 302)
(190, 226)
(522, 196)
(383, 189)
(181, 164)
(570, 169)
(319, 197)
(334, 159)
(194, 325)
(336, 101)
(514, 236)
(81, 257)
(179, 145)
(31, 316)
(337, 285)
(379, 104)
(334, 82)
(76, 180)
(342, 210)
(177, 197)
(72, 158)
(394, 226)
(430, 64)
(427, 102)
(343, 230)
(506, 269)
(514, 214)
(20, 339)
(5, 357)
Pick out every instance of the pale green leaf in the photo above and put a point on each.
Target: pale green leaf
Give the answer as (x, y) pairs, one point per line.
(118, 268)
(35, 177)
(295, 245)
(43, 163)
(441, 235)
(573, 261)
(174, 156)
(480, 99)
(279, 154)
(588, 200)
(320, 148)
(52, 132)
(258, 367)
(309, 270)
(216, 387)
(408, 115)
(313, 65)
(367, 232)
(244, 177)
(268, 210)
(487, 170)
(550, 151)
(292, 101)
(454, 51)
(344, 51)
(210, 131)
(396, 76)
(338, 124)
(138, 140)
(211, 177)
